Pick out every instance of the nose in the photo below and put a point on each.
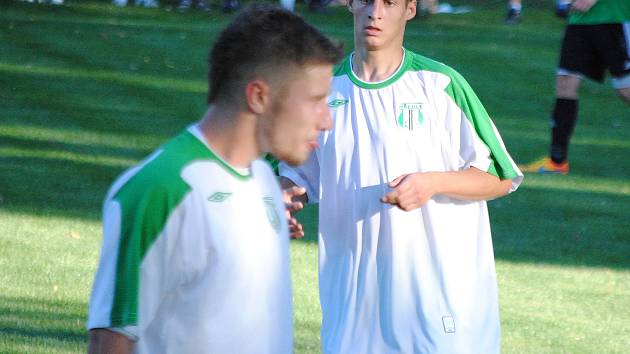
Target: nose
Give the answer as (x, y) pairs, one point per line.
(376, 9)
(326, 121)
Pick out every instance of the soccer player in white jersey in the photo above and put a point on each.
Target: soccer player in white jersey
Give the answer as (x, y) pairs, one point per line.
(406, 263)
(195, 248)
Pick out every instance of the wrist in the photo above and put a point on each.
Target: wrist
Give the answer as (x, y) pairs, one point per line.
(436, 183)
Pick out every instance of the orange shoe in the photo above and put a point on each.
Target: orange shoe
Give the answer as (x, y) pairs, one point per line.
(546, 165)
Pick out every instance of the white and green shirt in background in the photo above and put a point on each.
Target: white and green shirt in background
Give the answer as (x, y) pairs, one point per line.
(393, 281)
(195, 255)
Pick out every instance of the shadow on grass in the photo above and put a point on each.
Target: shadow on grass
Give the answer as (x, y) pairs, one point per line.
(65, 147)
(58, 324)
(54, 187)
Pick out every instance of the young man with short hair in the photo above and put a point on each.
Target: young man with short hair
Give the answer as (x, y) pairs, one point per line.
(405, 253)
(596, 40)
(195, 250)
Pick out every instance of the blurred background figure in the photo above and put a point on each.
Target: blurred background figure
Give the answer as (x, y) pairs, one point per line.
(145, 3)
(431, 7)
(428, 7)
(231, 5)
(288, 4)
(562, 8)
(318, 6)
(515, 9)
(596, 40)
(54, 2)
(185, 5)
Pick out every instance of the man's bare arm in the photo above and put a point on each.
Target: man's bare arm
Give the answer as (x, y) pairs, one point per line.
(583, 5)
(413, 190)
(104, 341)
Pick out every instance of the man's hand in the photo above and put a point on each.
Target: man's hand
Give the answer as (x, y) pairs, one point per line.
(410, 191)
(582, 5)
(291, 197)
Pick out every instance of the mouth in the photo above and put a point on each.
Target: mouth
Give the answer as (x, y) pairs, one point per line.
(313, 144)
(371, 30)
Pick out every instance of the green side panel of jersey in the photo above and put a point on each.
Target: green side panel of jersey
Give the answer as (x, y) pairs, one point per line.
(340, 69)
(604, 11)
(147, 201)
(462, 94)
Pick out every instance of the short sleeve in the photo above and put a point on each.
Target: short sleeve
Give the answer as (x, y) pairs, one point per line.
(482, 146)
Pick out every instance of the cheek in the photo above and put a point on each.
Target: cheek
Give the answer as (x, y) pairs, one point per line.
(313, 114)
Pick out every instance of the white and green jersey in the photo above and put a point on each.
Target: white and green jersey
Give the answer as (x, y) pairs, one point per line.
(393, 281)
(195, 255)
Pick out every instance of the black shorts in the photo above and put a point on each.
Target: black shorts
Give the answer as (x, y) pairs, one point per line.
(590, 50)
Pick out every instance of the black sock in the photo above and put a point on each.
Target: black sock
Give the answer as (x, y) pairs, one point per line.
(563, 121)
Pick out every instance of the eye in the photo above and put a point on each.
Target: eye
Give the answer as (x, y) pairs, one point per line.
(390, 2)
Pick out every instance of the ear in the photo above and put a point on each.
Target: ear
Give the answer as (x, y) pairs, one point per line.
(411, 9)
(349, 6)
(257, 96)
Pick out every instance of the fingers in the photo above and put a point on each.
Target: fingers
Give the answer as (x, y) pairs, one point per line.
(405, 196)
(409, 206)
(406, 204)
(390, 198)
(295, 229)
(393, 196)
(295, 191)
(294, 207)
(396, 181)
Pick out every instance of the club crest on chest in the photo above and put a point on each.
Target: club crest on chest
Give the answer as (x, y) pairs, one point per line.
(410, 117)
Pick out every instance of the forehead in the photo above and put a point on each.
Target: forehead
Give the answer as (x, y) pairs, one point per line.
(307, 73)
(304, 81)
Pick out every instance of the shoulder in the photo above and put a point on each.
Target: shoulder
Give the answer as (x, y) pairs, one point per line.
(262, 165)
(160, 174)
(420, 63)
(343, 67)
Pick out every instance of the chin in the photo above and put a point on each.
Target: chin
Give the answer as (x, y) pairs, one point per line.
(373, 46)
(294, 159)
(294, 162)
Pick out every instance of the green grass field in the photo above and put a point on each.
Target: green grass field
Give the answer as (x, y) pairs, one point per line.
(88, 89)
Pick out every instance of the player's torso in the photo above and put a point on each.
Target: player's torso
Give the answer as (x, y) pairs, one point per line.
(400, 128)
(378, 134)
(230, 257)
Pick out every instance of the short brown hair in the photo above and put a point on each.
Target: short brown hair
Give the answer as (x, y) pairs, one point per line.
(263, 37)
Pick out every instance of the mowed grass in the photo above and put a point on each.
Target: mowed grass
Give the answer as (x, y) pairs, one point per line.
(87, 89)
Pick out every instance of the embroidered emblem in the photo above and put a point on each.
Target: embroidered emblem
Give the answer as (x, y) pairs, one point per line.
(337, 103)
(272, 213)
(410, 116)
(219, 197)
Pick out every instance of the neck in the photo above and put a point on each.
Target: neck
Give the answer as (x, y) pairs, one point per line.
(376, 65)
(231, 135)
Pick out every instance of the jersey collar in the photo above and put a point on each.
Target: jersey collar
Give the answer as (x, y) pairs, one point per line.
(402, 68)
